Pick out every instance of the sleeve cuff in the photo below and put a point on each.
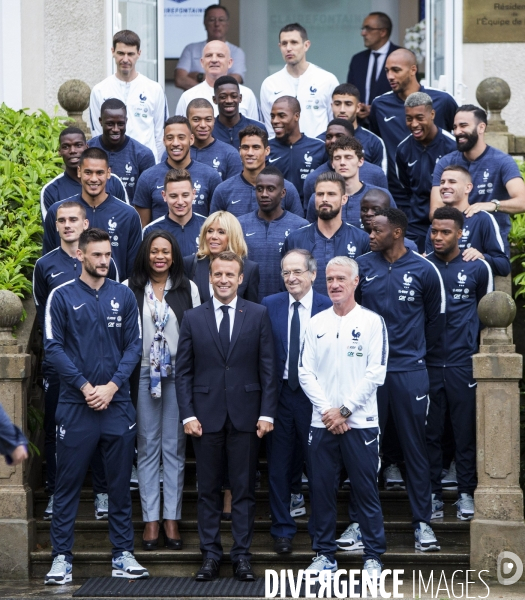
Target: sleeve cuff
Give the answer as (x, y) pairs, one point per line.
(269, 419)
(81, 380)
(184, 421)
(116, 381)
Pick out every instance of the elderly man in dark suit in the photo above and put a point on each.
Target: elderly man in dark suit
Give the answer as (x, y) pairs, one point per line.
(227, 394)
(290, 313)
(367, 68)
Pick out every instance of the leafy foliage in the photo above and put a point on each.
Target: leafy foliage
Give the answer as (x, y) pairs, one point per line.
(517, 243)
(28, 160)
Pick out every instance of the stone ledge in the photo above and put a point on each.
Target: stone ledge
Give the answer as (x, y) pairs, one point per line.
(494, 367)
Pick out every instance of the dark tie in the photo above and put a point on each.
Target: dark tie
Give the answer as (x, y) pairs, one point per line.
(373, 79)
(295, 342)
(224, 331)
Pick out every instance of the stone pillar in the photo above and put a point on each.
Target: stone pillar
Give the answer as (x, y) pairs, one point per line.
(17, 526)
(493, 94)
(498, 524)
(73, 97)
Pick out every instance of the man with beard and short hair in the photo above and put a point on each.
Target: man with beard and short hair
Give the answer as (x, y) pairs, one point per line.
(329, 236)
(498, 186)
(266, 229)
(368, 173)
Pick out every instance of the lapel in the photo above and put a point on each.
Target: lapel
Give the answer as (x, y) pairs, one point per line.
(283, 322)
(212, 324)
(240, 313)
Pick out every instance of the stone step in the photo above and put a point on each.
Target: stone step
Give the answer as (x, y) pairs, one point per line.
(169, 563)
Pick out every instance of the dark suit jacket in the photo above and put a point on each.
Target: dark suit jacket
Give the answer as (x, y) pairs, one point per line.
(277, 305)
(242, 385)
(358, 70)
(199, 272)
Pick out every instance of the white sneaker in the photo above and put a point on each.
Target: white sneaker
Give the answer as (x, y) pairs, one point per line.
(61, 571)
(450, 479)
(297, 505)
(373, 568)
(425, 539)
(304, 482)
(393, 478)
(351, 538)
(48, 513)
(437, 508)
(465, 506)
(127, 566)
(101, 506)
(134, 479)
(320, 563)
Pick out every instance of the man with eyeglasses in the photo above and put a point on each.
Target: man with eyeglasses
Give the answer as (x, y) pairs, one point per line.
(290, 313)
(366, 70)
(189, 71)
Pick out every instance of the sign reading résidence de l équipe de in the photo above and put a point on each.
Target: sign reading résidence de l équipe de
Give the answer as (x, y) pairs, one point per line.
(486, 21)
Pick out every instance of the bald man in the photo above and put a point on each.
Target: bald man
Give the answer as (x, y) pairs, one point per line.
(292, 152)
(387, 115)
(216, 60)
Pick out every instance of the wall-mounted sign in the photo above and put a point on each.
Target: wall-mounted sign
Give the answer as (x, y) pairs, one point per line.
(183, 24)
(486, 21)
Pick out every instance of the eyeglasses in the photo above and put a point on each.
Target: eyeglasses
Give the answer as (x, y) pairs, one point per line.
(296, 273)
(216, 20)
(367, 28)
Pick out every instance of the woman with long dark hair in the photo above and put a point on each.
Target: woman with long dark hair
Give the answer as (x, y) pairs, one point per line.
(163, 293)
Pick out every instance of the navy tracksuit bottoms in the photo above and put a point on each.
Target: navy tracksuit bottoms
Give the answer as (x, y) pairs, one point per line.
(80, 431)
(404, 395)
(454, 387)
(358, 450)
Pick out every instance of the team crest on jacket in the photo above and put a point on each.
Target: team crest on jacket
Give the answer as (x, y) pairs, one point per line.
(351, 250)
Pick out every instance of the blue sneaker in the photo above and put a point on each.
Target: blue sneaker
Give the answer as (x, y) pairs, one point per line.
(320, 563)
(425, 539)
(351, 538)
(61, 571)
(297, 505)
(127, 566)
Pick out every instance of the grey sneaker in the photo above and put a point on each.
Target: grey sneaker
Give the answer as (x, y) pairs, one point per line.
(373, 568)
(61, 571)
(134, 479)
(437, 508)
(351, 538)
(101, 506)
(48, 513)
(320, 563)
(425, 539)
(304, 482)
(297, 505)
(393, 478)
(127, 566)
(465, 506)
(450, 479)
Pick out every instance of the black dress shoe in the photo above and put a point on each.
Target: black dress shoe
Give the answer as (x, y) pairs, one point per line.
(242, 570)
(150, 544)
(209, 570)
(282, 545)
(171, 543)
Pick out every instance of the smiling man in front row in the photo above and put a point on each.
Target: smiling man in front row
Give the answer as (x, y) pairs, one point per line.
(227, 394)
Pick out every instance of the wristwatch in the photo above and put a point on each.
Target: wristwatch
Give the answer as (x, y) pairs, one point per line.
(497, 203)
(345, 412)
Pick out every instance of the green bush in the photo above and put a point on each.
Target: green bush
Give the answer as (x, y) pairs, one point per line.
(517, 246)
(28, 160)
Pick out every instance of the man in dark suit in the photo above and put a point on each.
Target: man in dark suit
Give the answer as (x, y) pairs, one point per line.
(290, 313)
(366, 69)
(227, 395)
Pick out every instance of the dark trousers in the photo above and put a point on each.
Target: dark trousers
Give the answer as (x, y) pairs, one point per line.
(358, 450)
(454, 387)
(404, 396)
(241, 451)
(51, 393)
(291, 424)
(80, 430)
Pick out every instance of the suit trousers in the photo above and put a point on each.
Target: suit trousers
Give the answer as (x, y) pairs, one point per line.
(80, 430)
(292, 423)
(358, 450)
(241, 451)
(159, 433)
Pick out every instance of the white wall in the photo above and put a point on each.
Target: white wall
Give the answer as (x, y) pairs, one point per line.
(10, 54)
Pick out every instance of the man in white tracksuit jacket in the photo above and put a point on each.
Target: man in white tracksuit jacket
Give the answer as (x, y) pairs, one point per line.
(343, 361)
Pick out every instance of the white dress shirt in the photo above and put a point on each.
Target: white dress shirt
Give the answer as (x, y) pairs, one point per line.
(305, 314)
(381, 59)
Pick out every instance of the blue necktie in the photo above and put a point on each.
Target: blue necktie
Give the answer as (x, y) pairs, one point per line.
(295, 342)
(373, 79)
(224, 331)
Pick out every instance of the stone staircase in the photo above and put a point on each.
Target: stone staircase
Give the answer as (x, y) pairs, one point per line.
(92, 548)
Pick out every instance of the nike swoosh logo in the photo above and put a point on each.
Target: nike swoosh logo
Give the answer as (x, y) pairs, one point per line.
(370, 442)
(272, 160)
(370, 278)
(389, 119)
(131, 426)
(235, 201)
(421, 397)
(277, 92)
(77, 307)
(159, 187)
(248, 234)
(53, 275)
(320, 336)
(412, 163)
(471, 385)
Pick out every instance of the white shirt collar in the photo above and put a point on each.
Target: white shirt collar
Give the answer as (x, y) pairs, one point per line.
(217, 303)
(306, 301)
(384, 48)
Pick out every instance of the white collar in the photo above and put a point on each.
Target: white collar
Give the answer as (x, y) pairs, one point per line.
(384, 48)
(217, 303)
(306, 301)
